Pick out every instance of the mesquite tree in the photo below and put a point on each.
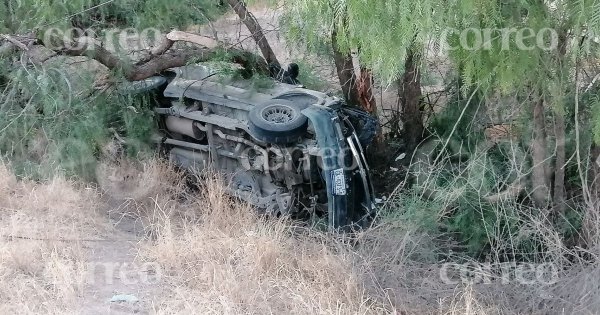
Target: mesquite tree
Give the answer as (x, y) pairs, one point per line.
(538, 52)
(388, 37)
(536, 49)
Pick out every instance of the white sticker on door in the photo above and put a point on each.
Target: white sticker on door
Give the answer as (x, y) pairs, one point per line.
(338, 182)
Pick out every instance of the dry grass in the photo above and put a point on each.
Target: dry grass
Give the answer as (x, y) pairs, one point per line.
(38, 272)
(465, 302)
(229, 260)
(217, 256)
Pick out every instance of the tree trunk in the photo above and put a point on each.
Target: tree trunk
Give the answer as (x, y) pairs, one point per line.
(409, 97)
(539, 155)
(595, 173)
(255, 30)
(365, 91)
(559, 170)
(558, 198)
(345, 71)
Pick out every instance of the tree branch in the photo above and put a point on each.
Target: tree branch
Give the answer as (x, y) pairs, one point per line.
(15, 43)
(160, 58)
(150, 67)
(256, 30)
(163, 56)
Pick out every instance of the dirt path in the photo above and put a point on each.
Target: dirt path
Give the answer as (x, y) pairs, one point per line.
(114, 272)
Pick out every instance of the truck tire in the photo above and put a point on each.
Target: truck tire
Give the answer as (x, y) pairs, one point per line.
(278, 121)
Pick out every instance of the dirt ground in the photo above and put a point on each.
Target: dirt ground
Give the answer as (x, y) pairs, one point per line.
(117, 272)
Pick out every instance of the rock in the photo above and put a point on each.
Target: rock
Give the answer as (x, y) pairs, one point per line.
(124, 298)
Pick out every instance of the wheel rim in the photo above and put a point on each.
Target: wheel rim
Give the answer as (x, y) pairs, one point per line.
(278, 114)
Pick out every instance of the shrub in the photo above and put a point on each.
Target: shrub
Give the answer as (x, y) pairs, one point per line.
(50, 124)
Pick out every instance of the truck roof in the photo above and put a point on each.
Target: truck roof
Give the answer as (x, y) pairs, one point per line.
(207, 84)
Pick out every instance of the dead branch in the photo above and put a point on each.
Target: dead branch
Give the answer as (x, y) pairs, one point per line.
(201, 40)
(165, 45)
(14, 43)
(256, 30)
(160, 58)
(140, 71)
(510, 193)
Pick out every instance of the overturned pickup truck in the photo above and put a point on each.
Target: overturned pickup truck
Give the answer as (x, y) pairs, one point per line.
(285, 149)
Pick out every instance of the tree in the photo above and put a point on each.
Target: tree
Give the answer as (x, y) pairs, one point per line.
(356, 86)
(545, 68)
(530, 49)
(344, 66)
(409, 97)
(387, 37)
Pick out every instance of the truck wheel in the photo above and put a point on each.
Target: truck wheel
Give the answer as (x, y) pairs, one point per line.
(278, 121)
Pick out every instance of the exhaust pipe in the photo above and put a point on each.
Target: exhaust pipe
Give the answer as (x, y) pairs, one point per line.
(184, 126)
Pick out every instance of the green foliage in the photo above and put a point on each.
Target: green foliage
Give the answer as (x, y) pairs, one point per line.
(380, 31)
(501, 64)
(52, 118)
(478, 224)
(443, 123)
(458, 208)
(24, 15)
(135, 122)
(408, 216)
(47, 126)
(506, 67)
(464, 178)
(462, 181)
(419, 213)
(260, 82)
(475, 224)
(316, 42)
(232, 74)
(570, 223)
(383, 31)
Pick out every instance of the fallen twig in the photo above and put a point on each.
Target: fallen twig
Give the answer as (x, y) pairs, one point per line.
(15, 42)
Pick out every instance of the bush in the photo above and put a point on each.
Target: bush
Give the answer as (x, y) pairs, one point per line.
(50, 125)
